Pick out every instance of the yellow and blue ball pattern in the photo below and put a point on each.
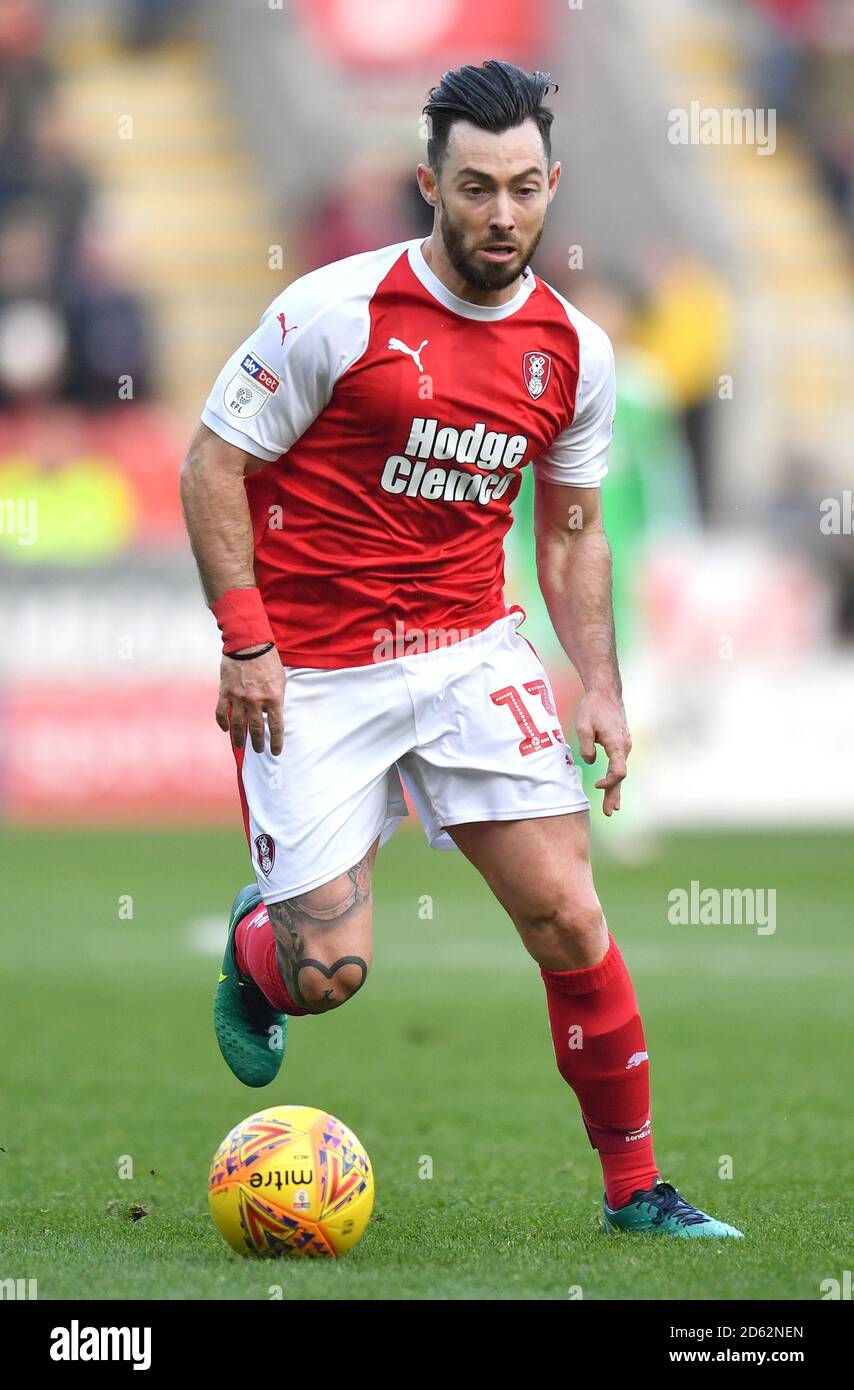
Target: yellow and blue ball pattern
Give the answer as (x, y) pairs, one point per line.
(291, 1180)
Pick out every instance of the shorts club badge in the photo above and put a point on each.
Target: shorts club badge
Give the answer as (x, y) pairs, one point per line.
(265, 850)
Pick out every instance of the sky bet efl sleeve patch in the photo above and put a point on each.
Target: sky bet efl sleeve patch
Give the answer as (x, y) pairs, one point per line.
(251, 387)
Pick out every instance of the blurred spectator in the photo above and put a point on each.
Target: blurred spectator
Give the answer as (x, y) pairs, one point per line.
(105, 320)
(686, 327)
(25, 80)
(33, 338)
(33, 352)
(150, 22)
(376, 203)
(650, 489)
(794, 520)
(827, 108)
(670, 320)
(69, 324)
(56, 180)
(780, 64)
(806, 73)
(27, 252)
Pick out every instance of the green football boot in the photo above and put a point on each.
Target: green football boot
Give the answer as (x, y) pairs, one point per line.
(661, 1211)
(250, 1032)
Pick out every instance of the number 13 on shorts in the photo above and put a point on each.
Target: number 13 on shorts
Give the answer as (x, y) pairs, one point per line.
(533, 738)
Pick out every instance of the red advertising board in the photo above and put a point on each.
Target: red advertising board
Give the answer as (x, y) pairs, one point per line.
(115, 753)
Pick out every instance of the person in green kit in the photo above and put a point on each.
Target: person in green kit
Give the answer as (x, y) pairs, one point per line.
(649, 492)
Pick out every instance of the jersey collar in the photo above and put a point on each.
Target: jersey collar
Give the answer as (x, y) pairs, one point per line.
(485, 312)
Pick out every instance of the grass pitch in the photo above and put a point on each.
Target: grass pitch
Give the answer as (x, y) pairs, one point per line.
(109, 1058)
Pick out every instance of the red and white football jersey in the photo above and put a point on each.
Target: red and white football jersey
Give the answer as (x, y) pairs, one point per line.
(395, 420)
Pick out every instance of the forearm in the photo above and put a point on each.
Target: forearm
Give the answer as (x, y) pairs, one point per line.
(216, 514)
(574, 572)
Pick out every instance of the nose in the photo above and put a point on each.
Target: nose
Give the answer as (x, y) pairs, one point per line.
(501, 212)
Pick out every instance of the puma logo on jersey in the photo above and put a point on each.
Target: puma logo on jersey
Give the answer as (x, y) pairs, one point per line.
(285, 329)
(636, 1059)
(395, 345)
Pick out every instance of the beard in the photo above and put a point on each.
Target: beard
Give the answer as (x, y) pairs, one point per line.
(481, 275)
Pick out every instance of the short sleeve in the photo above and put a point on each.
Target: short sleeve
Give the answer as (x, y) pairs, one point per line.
(277, 382)
(579, 455)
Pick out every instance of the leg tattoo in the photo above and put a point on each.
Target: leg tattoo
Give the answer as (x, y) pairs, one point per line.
(295, 920)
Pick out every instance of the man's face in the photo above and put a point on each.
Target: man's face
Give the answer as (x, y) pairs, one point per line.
(492, 196)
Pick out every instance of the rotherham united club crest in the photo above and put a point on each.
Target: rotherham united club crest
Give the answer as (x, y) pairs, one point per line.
(266, 851)
(537, 371)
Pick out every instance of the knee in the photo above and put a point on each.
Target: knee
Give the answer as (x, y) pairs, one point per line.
(569, 930)
(323, 940)
(325, 986)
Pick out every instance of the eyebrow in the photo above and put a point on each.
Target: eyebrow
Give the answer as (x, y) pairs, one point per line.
(487, 178)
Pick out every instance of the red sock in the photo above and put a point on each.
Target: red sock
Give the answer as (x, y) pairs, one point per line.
(255, 953)
(601, 1052)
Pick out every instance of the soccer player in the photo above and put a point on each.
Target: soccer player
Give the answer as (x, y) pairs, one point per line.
(347, 494)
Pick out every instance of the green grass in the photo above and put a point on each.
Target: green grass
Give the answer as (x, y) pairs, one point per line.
(108, 1050)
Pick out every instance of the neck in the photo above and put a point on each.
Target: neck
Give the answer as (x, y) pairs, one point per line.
(436, 257)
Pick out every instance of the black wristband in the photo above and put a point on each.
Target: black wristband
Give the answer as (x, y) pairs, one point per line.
(249, 656)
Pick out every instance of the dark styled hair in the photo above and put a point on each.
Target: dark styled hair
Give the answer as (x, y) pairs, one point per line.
(495, 96)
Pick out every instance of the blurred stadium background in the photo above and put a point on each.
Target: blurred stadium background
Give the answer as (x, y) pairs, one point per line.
(165, 168)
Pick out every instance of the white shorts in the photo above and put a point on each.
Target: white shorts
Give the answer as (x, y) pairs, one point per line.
(470, 729)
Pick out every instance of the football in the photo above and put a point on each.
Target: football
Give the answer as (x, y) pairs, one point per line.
(291, 1180)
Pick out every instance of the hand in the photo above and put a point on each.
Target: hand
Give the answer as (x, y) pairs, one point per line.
(247, 691)
(602, 719)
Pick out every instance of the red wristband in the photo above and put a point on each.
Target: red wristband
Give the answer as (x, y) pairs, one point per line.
(242, 620)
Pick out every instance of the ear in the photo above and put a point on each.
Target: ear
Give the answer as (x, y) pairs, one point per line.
(428, 184)
(554, 178)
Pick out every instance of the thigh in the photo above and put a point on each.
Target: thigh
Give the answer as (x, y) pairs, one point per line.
(324, 937)
(531, 863)
(313, 812)
(539, 870)
(492, 748)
